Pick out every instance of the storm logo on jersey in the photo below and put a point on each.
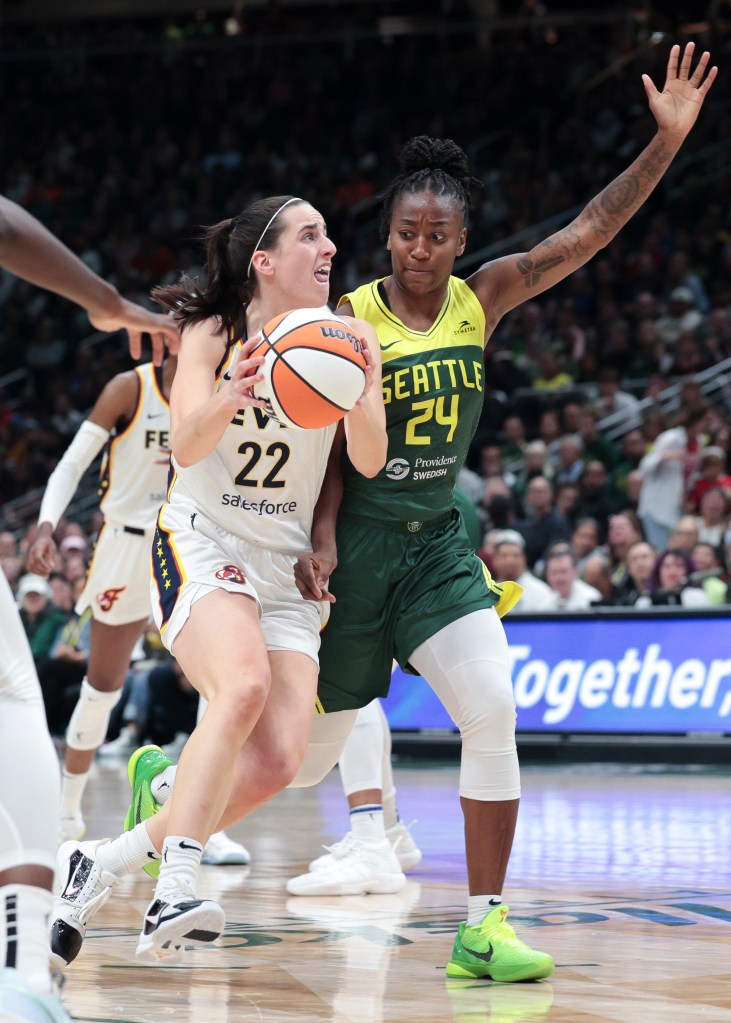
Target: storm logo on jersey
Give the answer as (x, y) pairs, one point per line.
(231, 574)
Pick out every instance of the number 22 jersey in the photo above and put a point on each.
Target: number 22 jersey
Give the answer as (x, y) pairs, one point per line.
(261, 481)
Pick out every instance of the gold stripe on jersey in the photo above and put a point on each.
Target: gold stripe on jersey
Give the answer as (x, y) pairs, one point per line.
(399, 341)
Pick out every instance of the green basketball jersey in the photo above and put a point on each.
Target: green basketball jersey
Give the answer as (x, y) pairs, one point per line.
(433, 389)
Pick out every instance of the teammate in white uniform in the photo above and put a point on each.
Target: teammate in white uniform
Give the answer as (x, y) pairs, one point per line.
(239, 513)
(29, 807)
(132, 418)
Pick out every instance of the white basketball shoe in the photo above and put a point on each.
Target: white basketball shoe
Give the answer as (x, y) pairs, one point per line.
(399, 835)
(358, 868)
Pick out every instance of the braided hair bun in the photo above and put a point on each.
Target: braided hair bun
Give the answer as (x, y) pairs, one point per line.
(432, 165)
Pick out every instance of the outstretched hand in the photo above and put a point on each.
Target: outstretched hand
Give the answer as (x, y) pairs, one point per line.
(137, 321)
(676, 108)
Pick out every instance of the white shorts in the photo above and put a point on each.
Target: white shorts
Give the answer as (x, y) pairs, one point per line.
(118, 582)
(18, 679)
(193, 557)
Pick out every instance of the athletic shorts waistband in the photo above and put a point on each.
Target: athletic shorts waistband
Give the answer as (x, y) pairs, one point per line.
(402, 525)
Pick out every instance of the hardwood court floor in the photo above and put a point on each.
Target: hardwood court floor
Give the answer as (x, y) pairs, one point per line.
(621, 873)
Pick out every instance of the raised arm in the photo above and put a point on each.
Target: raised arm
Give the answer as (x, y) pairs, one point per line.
(505, 283)
(28, 250)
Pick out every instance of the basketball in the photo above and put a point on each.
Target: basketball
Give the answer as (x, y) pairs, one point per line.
(314, 368)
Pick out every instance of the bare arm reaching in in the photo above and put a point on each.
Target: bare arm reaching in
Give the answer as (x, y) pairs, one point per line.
(28, 250)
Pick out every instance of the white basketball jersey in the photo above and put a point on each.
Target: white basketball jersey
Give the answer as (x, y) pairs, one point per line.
(136, 463)
(262, 480)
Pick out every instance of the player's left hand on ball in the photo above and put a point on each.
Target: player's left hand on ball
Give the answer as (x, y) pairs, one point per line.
(369, 374)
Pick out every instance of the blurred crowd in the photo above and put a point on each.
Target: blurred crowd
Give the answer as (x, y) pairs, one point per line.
(636, 515)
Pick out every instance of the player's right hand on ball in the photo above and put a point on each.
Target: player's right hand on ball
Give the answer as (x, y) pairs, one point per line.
(245, 375)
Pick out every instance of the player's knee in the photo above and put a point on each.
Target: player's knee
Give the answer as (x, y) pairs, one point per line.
(487, 716)
(87, 728)
(239, 707)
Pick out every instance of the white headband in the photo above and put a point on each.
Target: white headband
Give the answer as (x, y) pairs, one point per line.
(271, 221)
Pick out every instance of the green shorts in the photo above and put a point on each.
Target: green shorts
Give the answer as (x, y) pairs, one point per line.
(394, 589)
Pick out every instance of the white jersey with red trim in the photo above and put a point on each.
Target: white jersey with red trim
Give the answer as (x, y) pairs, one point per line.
(261, 481)
(134, 472)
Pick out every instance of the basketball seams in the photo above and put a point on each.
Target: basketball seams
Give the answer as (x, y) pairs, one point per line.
(310, 386)
(301, 396)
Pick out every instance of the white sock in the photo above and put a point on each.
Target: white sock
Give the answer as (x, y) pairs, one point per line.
(390, 811)
(161, 785)
(72, 789)
(368, 823)
(181, 860)
(478, 906)
(130, 852)
(24, 913)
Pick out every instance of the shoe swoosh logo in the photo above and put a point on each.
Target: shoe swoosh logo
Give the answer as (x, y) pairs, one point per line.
(485, 956)
(138, 809)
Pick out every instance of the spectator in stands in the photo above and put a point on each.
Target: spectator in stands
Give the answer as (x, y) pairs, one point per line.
(512, 446)
(667, 471)
(598, 573)
(542, 525)
(596, 446)
(653, 424)
(595, 500)
(569, 463)
(565, 500)
(712, 476)
(585, 541)
(624, 530)
(709, 572)
(684, 534)
(62, 672)
(670, 582)
(509, 562)
(41, 620)
(549, 431)
(612, 401)
(681, 316)
(712, 522)
(679, 275)
(570, 593)
(552, 375)
(535, 463)
(8, 545)
(632, 452)
(641, 558)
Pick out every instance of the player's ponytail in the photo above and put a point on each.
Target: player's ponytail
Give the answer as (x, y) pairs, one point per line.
(432, 165)
(230, 284)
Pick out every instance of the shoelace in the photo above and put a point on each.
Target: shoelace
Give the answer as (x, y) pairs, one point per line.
(341, 848)
(101, 894)
(407, 828)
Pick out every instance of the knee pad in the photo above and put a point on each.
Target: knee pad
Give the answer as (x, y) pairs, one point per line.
(467, 665)
(89, 722)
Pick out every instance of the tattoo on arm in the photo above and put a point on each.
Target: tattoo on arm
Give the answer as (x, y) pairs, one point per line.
(533, 269)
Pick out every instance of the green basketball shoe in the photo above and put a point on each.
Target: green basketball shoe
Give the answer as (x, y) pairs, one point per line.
(493, 950)
(144, 765)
